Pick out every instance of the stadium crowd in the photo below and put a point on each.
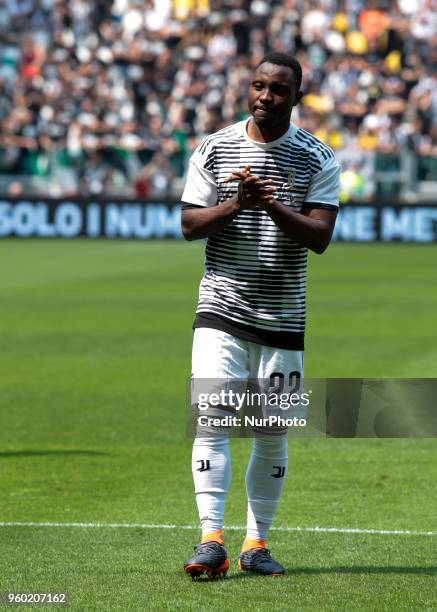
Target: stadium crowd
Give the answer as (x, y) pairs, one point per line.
(111, 95)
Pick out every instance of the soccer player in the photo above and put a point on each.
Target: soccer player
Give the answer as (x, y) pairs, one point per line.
(262, 191)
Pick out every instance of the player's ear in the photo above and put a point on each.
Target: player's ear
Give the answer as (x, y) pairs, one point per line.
(297, 98)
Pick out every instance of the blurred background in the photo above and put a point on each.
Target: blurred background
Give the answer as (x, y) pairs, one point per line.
(111, 97)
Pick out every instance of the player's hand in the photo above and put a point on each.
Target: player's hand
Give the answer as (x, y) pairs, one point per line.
(238, 175)
(252, 190)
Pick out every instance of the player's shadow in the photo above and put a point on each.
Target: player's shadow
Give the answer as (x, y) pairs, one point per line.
(48, 453)
(364, 569)
(358, 569)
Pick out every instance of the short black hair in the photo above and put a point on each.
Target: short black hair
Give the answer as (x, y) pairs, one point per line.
(282, 59)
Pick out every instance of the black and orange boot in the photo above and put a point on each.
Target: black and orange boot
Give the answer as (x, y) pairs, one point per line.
(255, 557)
(209, 558)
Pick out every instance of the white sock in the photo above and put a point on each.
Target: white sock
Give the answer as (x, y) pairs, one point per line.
(211, 466)
(265, 478)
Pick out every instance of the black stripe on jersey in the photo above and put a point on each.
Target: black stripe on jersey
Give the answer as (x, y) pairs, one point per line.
(273, 320)
(269, 314)
(320, 205)
(301, 137)
(324, 150)
(292, 250)
(318, 143)
(242, 312)
(248, 261)
(293, 341)
(210, 160)
(226, 131)
(186, 206)
(249, 247)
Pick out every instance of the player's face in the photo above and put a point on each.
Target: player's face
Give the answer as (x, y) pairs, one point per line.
(272, 95)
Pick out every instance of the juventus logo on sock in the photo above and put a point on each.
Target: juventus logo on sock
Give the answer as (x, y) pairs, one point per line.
(204, 465)
(281, 471)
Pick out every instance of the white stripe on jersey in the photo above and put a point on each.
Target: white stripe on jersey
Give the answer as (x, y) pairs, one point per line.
(254, 274)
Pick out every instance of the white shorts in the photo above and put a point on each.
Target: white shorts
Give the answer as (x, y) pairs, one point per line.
(217, 354)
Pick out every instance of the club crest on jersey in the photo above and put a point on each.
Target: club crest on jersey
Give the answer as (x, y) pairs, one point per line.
(286, 188)
(291, 175)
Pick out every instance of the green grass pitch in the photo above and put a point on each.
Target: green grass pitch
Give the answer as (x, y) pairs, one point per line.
(95, 353)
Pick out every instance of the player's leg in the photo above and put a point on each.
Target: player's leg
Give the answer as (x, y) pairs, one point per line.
(216, 355)
(268, 464)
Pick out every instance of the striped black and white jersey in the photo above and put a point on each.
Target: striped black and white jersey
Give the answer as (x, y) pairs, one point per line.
(254, 285)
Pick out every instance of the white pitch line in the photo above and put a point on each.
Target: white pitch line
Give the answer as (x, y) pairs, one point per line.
(400, 532)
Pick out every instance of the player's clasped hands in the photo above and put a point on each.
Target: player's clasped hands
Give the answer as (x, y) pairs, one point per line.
(252, 190)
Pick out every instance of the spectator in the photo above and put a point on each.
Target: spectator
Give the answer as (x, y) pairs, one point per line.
(108, 87)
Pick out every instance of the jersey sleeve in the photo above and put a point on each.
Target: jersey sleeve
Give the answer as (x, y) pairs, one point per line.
(201, 187)
(324, 186)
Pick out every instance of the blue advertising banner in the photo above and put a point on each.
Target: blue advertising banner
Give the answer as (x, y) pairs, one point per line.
(89, 219)
(117, 218)
(398, 223)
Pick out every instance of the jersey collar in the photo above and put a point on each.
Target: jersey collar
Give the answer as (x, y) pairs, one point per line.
(242, 129)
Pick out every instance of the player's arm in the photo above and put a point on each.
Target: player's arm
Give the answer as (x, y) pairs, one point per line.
(312, 228)
(202, 221)
(198, 222)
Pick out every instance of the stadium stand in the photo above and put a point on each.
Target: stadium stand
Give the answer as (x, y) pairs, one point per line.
(111, 96)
